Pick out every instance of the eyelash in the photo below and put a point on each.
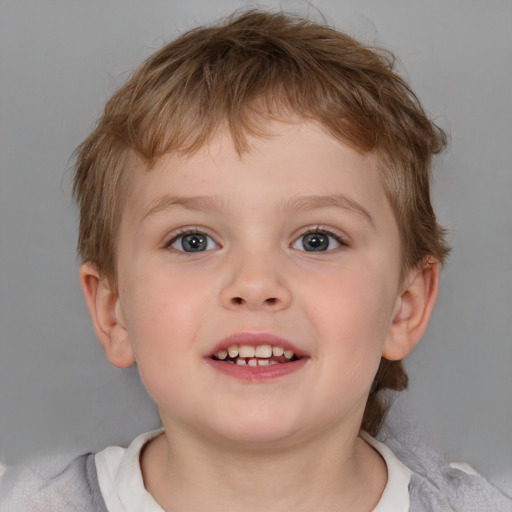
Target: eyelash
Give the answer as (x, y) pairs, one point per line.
(182, 233)
(325, 231)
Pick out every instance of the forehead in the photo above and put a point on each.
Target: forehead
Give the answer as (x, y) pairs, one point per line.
(292, 158)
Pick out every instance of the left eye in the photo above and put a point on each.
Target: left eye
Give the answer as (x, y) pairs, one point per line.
(317, 241)
(193, 242)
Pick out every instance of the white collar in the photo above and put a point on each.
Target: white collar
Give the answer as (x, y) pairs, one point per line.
(120, 477)
(395, 497)
(122, 485)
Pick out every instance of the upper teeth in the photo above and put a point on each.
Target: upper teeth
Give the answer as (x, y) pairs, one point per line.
(222, 354)
(261, 351)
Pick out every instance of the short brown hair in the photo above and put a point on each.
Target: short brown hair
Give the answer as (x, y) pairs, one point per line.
(249, 68)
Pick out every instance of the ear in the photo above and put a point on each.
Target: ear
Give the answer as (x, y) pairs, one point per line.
(107, 316)
(412, 312)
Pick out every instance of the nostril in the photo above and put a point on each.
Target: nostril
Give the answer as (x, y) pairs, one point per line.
(270, 302)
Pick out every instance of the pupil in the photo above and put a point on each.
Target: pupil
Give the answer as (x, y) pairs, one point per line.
(315, 242)
(194, 243)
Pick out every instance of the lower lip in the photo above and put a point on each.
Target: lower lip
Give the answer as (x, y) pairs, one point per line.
(257, 373)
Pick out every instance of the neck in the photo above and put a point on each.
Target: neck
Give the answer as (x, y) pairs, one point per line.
(183, 472)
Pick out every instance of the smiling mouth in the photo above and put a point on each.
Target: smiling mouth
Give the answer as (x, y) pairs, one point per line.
(259, 355)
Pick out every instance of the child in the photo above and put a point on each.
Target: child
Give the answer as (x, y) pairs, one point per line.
(257, 236)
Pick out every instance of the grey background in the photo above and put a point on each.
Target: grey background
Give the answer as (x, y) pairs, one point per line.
(60, 61)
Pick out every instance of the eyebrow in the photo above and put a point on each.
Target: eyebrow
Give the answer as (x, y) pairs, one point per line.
(208, 204)
(304, 203)
(212, 204)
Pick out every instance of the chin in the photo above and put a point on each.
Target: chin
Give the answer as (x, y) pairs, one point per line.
(258, 430)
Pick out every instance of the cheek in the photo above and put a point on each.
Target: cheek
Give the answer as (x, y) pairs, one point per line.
(161, 328)
(160, 296)
(353, 327)
(355, 305)
(352, 322)
(159, 317)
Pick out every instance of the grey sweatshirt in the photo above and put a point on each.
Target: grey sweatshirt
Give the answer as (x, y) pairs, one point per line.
(434, 485)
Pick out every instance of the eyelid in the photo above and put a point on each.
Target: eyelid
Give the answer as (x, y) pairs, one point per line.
(188, 230)
(334, 233)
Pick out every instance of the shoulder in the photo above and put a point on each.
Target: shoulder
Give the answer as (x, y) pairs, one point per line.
(52, 485)
(436, 485)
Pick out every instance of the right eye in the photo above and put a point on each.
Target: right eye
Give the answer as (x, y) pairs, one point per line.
(193, 242)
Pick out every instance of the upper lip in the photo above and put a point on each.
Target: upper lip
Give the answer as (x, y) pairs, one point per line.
(255, 339)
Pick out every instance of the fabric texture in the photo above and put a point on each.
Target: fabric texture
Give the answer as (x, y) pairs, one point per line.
(73, 487)
(51, 487)
(435, 486)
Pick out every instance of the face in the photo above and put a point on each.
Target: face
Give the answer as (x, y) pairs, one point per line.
(286, 258)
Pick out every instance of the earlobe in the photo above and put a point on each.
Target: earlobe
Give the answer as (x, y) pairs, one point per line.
(412, 312)
(107, 316)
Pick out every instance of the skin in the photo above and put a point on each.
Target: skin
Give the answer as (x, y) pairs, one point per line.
(296, 436)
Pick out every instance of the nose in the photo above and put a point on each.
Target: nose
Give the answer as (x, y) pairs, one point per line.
(256, 282)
